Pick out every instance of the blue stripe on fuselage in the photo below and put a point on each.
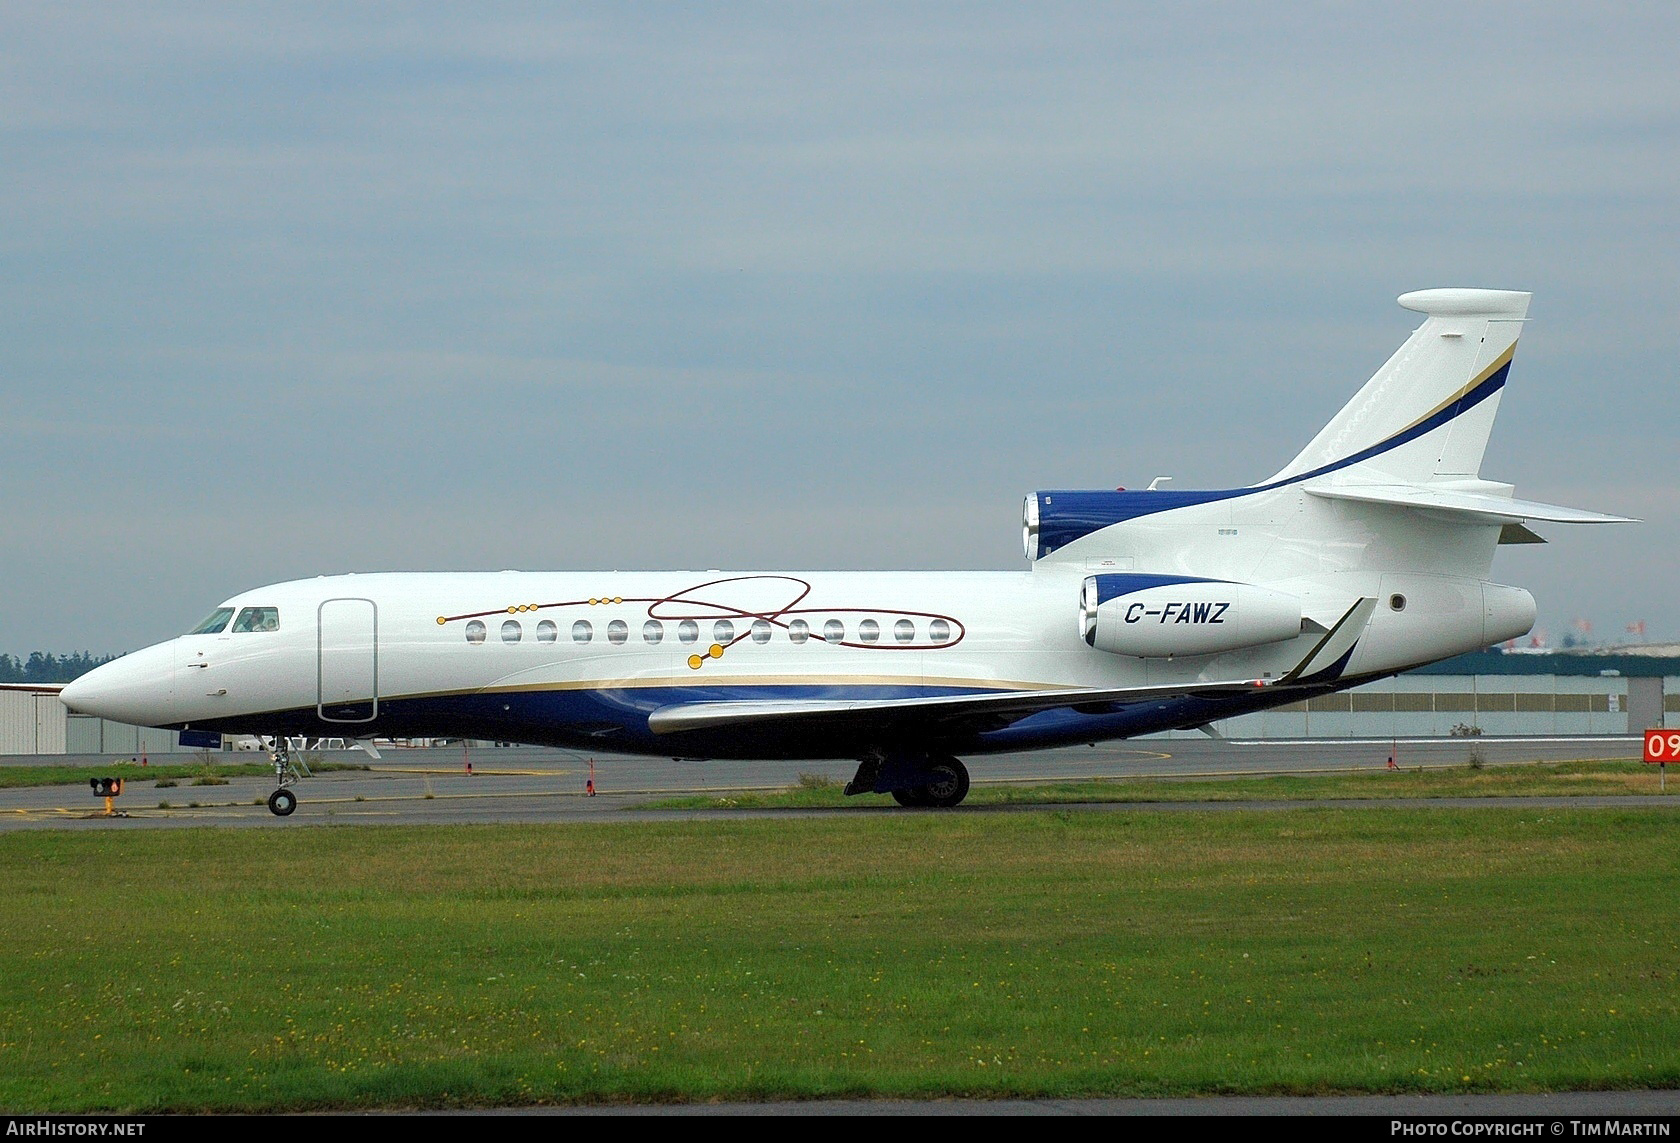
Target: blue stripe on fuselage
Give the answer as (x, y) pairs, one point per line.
(616, 720)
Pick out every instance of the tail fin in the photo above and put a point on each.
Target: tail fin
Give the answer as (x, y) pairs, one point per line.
(1427, 413)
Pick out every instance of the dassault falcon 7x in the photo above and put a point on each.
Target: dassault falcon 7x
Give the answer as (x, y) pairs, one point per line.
(1141, 611)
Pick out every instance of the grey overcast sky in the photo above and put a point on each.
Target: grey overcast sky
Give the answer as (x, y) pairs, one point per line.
(293, 289)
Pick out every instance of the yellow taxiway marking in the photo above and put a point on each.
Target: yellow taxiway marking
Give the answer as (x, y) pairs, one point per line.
(521, 794)
(460, 773)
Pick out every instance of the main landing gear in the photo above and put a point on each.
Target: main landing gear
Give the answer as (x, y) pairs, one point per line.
(282, 802)
(914, 778)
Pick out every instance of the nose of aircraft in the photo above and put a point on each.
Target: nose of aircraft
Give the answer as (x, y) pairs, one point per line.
(138, 688)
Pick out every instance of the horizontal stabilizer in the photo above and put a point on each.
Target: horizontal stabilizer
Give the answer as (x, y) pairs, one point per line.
(1474, 507)
(987, 710)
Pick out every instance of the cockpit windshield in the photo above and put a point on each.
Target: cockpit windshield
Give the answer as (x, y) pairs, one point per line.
(214, 623)
(257, 619)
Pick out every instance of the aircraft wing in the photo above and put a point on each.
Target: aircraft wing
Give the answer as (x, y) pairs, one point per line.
(980, 712)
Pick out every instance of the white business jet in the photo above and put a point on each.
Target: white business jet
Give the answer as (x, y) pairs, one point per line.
(1142, 611)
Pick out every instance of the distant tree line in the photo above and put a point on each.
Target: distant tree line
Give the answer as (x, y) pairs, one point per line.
(46, 667)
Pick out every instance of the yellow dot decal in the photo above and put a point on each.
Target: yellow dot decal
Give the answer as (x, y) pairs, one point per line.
(442, 621)
(715, 652)
(694, 661)
(618, 599)
(593, 602)
(511, 610)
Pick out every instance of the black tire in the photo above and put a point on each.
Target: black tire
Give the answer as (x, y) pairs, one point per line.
(948, 784)
(282, 802)
(913, 797)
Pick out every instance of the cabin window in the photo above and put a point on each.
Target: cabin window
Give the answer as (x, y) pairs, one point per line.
(688, 631)
(511, 631)
(723, 632)
(214, 624)
(761, 630)
(653, 631)
(475, 632)
(257, 619)
(939, 631)
(617, 632)
(869, 631)
(904, 631)
(798, 631)
(547, 632)
(834, 631)
(582, 632)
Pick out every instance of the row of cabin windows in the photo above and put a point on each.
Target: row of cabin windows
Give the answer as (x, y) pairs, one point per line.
(723, 631)
(250, 619)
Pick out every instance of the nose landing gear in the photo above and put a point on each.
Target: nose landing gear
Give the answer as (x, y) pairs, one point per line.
(282, 802)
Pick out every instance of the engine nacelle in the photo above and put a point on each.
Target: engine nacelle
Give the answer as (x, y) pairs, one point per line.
(1050, 521)
(1156, 616)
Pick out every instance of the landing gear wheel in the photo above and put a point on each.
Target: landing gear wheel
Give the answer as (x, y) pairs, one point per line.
(282, 802)
(947, 785)
(913, 797)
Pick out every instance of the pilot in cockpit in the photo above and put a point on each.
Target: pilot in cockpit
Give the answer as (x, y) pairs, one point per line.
(257, 619)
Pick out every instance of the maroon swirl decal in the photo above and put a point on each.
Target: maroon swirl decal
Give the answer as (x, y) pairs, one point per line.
(778, 603)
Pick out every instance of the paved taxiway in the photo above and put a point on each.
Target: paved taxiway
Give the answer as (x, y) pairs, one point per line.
(535, 785)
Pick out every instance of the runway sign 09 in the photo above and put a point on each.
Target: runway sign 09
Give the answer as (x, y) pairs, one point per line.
(1662, 747)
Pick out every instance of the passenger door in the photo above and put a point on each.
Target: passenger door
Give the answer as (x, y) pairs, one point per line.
(348, 662)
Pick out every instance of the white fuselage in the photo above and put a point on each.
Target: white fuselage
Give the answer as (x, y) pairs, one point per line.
(1367, 554)
(584, 658)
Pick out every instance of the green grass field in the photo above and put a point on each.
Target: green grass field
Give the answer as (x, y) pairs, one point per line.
(1529, 779)
(1048, 953)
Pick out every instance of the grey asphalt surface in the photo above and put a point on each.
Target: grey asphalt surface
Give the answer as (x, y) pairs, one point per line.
(530, 784)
